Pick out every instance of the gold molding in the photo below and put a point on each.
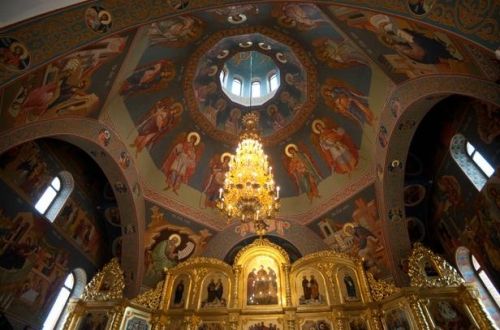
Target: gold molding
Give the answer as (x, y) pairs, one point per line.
(107, 284)
(150, 299)
(261, 242)
(421, 257)
(380, 289)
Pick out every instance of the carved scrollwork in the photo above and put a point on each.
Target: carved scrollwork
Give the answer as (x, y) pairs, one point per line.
(326, 254)
(380, 289)
(150, 299)
(427, 269)
(107, 284)
(261, 242)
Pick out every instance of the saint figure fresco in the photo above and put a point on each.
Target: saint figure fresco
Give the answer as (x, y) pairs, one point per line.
(350, 287)
(149, 77)
(335, 146)
(218, 166)
(163, 117)
(215, 294)
(302, 171)
(182, 160)
(310, 291)
(178, 31)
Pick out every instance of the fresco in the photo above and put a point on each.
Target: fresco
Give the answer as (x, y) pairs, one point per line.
(402, 48)
(170, 239)
(354, 228)
(74, 85)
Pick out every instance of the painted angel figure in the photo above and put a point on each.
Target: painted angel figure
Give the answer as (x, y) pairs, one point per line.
(347, 102)
(299, 15)
(335, 146)
(163, 117)
(181, 162)
(301, 169)
(218, 165)
(176, 31)
(149, 77)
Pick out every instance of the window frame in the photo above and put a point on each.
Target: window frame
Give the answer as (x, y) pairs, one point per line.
(233, 83)
(255, 83)
(55, 206)
(271, 77)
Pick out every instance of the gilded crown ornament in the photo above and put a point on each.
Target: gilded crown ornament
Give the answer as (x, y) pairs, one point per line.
(249, 192)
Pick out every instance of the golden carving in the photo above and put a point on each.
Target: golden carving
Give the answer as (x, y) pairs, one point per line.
(380, 289)
(107, 284)
(150, 299)
(429, 270)
(261, 242)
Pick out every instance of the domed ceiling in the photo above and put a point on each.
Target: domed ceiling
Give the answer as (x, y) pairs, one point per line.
(317, 128)
(157, 86)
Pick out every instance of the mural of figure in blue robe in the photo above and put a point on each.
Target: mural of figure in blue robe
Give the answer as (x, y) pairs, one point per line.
(150, 77)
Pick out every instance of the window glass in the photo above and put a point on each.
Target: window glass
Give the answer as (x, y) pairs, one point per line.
(490, 287)
(46, 199)
(60, 303)
(273, 82)
(56, 183)
(470, 148)
(483, 164)
(256, 89)
(236, 87)
(222, 77)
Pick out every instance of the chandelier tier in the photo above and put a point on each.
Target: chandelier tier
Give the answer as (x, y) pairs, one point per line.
(249, 192)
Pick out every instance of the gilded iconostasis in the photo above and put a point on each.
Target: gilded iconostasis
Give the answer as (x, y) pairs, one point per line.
(135, 101)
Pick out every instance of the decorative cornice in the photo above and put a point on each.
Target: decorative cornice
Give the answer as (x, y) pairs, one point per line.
(107, 284)
(257, 243)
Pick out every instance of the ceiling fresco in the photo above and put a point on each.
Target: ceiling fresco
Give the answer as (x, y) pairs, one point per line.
(318, 129)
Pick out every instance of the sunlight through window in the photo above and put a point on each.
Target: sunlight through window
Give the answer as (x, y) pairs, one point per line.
(59, 304)
(255, 89)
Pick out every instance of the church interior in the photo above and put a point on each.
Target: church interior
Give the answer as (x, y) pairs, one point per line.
(375, 126)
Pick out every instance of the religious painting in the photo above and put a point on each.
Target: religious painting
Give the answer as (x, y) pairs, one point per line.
(416, 229)
(215, 291)
(179, 293)
(301, 16)
(13, 54)
(235, 14)
(338, 53)
(66, 86)
(414, 194)
(405, 49)
(207, 325)
(217, 168)
(348, 102)
(429, 268)
(448, 314)
(420, 7)
(358, 324)
(273, 225)
(264, 324)
(98, 19)
(176, 32)
(135, 319)
(335, 146)
(164, 116)
(397, 319)
(310, 287)
(168, 242)
(149, 77)
(262, 281)
(321, 324)
(302, 170)
(96, 320)
(137, 323)
(348, 284)
(180, 163)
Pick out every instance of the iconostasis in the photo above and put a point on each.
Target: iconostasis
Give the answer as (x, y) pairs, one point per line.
(262, 290)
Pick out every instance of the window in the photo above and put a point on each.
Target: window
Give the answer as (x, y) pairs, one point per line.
(473, 272)
(255, 89)
(273, 82)
(55, 195)
(72, 288)
(236, 87)
(472, 163)
(223, 77)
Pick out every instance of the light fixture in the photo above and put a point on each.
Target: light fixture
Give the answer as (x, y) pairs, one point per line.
(249, 192)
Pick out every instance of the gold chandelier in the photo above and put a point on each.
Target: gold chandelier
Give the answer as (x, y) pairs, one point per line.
(249, 192)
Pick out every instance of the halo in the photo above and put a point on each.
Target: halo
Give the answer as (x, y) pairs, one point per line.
(225, 155)
(264, 46)
(281, 57)
(24, 54)
(245, 44)
(177, 237)
(290, 146)
(212, 70)
(347, 225)
(102, 13)
(196, 135)
(316, 124)
(289, 78)
(237, 19)
(223, 54)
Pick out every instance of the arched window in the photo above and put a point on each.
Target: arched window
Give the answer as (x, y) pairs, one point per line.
(273, 82)
(473, 272)
(55, 195)
(223, 77)
(255, 89)
(472, 163)
(72, 288)
(236, 87)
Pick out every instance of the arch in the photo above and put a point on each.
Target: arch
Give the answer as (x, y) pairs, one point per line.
(405, 108)
(84, 133)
